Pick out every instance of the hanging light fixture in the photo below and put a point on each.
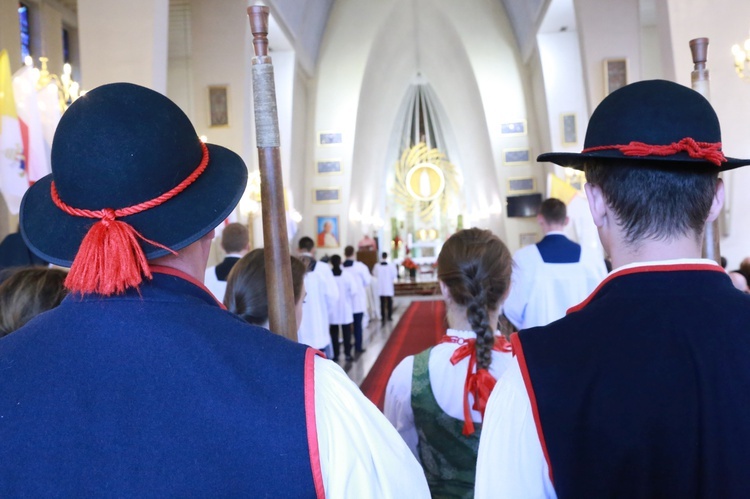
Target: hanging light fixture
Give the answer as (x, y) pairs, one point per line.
(742, 59)
(68, 89)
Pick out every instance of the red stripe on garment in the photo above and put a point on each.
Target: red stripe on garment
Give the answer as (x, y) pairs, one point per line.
(312, 427)
(518, 351)
(161, 269)
(643, 270)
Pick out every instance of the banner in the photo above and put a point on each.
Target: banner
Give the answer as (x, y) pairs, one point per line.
(13, 178)
(38, 113)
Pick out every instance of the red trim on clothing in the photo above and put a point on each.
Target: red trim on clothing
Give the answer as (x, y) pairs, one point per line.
(312, 427)
(642, 270)
(518, 351)
(161, 269)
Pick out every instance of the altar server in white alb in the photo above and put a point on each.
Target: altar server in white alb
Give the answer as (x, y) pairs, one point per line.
(386, 274)
(235, 241)
(340, 315)
(359, 307)
(552, 275)
(322, 294)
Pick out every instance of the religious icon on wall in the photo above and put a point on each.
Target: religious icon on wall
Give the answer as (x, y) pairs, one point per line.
(569, 129)
(218, 108)
(615, 74)
(327, 195)
(328, 231)
(329, 138)
(328, 167)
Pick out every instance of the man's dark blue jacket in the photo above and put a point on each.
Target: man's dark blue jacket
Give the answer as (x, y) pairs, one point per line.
(644, 389)
(157, 392)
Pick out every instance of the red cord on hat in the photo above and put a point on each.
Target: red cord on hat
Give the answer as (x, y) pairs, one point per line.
(110, 258)
(710, 151)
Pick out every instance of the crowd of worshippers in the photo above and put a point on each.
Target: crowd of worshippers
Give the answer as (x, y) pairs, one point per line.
(127, 376)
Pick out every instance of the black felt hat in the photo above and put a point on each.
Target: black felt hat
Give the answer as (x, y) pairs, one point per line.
(123, 145)
(655, 122)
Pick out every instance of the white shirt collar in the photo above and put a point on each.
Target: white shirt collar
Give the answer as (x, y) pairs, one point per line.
(467, 335)
(678, 261)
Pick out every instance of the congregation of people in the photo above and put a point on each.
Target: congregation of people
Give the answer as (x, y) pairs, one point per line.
(144, 372)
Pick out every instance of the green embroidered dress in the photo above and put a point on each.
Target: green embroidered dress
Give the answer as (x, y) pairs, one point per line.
(448, 457)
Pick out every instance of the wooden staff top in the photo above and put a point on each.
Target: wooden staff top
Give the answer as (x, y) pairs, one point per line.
(259, 27)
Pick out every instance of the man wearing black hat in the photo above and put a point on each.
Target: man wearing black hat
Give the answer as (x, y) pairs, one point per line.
(140, 384)
(641, 390)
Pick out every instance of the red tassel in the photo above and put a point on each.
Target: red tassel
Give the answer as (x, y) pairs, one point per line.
(109, 260)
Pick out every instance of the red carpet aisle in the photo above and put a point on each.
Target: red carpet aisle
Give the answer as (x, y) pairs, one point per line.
(421, 326)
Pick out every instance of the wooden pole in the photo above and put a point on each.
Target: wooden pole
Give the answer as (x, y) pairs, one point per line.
(700, 81)
(276, 242)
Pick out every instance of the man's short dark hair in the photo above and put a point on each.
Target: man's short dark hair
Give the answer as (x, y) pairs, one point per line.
(384, 255)
(553, 211)
(306, 244)
(655, 203)
(349, 251)
(235, 238)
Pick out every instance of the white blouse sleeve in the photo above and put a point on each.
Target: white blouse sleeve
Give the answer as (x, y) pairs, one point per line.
(511, 462)
(397, 407)
(361, 454)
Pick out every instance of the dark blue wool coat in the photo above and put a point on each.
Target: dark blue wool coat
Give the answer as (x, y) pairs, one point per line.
(644, 391)
(157, 393)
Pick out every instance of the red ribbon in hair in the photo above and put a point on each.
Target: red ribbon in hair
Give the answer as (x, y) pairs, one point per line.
(110, 258)
(710, 151)
(479, 383)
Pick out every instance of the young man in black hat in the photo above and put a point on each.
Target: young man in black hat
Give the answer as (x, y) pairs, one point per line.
(642, 389)
(140, 383)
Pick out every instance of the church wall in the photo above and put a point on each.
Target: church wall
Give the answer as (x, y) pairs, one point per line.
(608, 30)
(565, 92)
(220, 56)
(724, 23)
(504, 89)
(343, 55)
(50, 37)
(117, 45)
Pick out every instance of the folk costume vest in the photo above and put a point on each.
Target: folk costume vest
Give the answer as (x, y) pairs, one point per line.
(449, 458)
(642, 390)
(155, 392)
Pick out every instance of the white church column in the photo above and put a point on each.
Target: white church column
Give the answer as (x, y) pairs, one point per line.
(124, 41)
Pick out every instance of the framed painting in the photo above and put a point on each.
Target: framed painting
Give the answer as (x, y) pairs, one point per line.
(218, 106)
(330, 138)
(517, 156)
(328, 231)
(521, 185)
(513, 128)
(328, 195)
(328, 167)
(568, 129)
(615, 74)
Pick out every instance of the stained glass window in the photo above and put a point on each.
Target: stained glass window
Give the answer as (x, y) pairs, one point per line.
(23, 22)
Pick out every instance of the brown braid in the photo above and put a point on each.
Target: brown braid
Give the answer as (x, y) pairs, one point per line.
(475, 266)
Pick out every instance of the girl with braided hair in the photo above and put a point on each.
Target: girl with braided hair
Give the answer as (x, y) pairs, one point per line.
(436, 399)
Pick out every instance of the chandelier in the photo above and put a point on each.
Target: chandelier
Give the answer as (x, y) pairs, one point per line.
(742, 59)
(68, 89)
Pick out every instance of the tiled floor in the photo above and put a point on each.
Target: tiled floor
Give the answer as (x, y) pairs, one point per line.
(374, 338)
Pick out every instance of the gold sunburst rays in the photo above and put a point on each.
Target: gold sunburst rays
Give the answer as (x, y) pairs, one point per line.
(425, 181)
